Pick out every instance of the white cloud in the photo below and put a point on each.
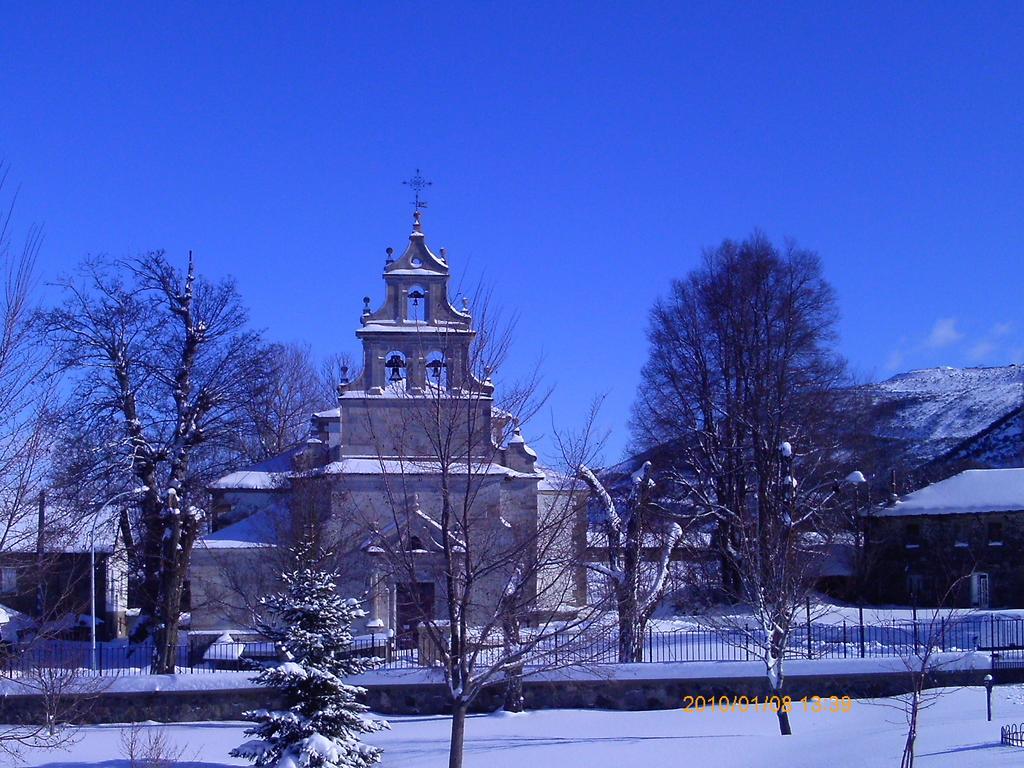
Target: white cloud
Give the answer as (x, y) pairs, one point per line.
(1001, 329)
(981, 351)
(944, 333)
(894, 361)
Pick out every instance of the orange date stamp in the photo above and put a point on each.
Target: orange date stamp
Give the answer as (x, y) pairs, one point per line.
(775, 704)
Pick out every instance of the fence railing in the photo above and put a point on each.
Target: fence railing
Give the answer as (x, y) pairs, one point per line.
(735, 642)
(1012, 735)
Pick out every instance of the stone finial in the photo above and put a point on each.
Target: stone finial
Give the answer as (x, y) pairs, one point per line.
(366, 305)
(518, 454)
(390, 255)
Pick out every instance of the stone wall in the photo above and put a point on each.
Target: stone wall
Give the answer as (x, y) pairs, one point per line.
(136, 706)
(637, 695)
(430, 698)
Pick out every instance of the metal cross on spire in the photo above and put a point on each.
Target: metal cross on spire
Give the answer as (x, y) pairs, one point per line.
(417, 184)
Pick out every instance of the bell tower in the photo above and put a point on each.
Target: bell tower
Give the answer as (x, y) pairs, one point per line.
(416, 354)
(416, 340)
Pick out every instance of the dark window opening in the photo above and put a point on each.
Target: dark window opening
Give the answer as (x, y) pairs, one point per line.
(995, 533)
(912, 535)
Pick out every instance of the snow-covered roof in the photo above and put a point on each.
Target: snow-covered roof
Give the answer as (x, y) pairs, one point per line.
(264, 475)
(970, 492)
(12, 622)
(373, 465)
(64, 531)
(260, 529)
(250, 480)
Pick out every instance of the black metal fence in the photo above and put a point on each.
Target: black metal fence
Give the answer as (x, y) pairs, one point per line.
(732, 642)
(78, 657)
(1012, 735)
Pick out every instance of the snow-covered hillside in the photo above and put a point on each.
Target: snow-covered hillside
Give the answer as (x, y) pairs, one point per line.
(972, 414)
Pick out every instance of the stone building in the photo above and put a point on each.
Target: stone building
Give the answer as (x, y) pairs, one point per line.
(419, 424)
(958, 542)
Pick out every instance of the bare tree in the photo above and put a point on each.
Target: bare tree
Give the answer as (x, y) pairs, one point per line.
(927, 650)
(166, 357)
(334, 369)
(26, 388)
(281, 401)
(741, 365)
(28, 393)
(449, 460)
(630, 529)
(741, 360)
(148, 746)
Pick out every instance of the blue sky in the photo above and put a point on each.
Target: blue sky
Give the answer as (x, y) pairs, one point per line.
(582, 156)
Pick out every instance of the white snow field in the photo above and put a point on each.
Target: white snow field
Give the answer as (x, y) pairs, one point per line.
(953, 734)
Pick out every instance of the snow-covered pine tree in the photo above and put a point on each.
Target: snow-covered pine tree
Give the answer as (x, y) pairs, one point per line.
(312, 625)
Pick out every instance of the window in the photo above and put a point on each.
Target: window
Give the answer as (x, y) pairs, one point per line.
(959, 536)
(995, 534)
(8, 580)
(912, 535)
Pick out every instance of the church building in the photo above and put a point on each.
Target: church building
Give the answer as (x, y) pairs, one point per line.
(418, 438)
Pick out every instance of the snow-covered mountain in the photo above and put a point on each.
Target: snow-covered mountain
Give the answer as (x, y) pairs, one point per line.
(944, 416)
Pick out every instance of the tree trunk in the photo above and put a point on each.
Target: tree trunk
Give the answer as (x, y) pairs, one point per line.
(784, 727)
(776, 678)
(627, 631)
(514, 690)
(908, 747)
(510, 628)
(148, 558)
(458, 735)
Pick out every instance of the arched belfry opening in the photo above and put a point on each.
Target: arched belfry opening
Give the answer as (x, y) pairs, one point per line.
(416, 305)
(396, 369)
(437, 371)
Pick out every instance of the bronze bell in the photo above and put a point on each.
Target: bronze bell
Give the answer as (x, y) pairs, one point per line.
(395, 363)
(435, 367)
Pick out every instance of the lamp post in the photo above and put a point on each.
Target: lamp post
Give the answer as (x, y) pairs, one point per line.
(988, 694)
(92, 567)
(855, 480)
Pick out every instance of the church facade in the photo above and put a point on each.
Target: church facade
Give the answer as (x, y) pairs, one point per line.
(417, 445)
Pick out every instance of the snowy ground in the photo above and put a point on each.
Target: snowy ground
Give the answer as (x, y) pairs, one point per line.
(953, 734)
(826, 610)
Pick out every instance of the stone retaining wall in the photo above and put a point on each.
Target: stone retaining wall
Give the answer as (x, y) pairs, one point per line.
(430, 698)
(636, 695)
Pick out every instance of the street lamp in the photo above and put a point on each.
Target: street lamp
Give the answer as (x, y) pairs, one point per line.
(988, 694)
(92, 566)
(855, 480)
